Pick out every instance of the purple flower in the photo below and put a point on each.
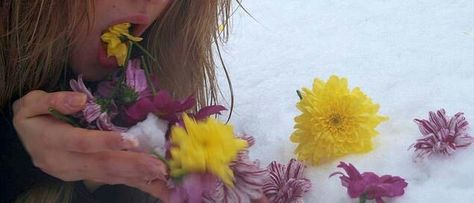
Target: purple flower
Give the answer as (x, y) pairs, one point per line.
(192, 187)
(441, 134)
(92, 110)
(368, 185)
(286, 183)
(248, 180)
(136, 79)
(94, 114)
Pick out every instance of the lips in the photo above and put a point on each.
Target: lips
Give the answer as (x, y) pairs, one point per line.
(139, 24)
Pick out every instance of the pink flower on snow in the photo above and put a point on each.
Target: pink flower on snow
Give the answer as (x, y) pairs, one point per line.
(441, 134)
(286, 184)
(368, 185)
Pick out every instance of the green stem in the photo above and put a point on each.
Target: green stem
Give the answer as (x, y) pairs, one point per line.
(299, 94)
(62, 117)
(144, 51)
(161, 158)
(362, 198)
(129, 53)
(148, 76)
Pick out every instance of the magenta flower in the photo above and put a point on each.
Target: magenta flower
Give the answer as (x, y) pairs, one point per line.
(368, 185)
(165, 107)
(441, 134)
(162, 105)
(286, 183)
(248, 180)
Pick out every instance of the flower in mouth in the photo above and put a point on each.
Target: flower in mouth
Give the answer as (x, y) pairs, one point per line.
(335, 121)
(116, 38)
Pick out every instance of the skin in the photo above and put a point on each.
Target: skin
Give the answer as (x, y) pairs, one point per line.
(73, 154)
(97, 157)
(141, 13)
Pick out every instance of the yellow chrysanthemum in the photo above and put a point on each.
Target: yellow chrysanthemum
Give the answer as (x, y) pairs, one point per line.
(116, 38)
(335, 121)
(204, 146)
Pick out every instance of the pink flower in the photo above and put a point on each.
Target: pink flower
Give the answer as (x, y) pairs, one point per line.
(135, 86)
(248, 180)
(192, 187)
(441, 134)
(136, 79)
(286, 183)
(92, 110)
(368, 185)
(94, 114)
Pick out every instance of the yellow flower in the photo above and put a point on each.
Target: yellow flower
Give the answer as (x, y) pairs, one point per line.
(204, 146)
(116, 38)
(335, 121)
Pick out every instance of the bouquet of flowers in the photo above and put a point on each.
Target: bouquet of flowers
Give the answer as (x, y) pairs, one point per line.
(206, 159)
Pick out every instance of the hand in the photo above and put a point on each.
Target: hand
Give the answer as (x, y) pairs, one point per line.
(72, 154)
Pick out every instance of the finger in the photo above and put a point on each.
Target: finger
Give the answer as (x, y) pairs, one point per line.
(116, 166)
(72, 139)
(38, 103)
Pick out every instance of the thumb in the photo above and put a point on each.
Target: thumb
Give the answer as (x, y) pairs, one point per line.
(38, 103)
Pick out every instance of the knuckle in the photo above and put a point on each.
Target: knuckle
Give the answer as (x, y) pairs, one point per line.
(33, 96)
(81, 145)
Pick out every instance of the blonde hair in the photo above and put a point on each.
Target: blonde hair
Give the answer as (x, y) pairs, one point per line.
(36, 37)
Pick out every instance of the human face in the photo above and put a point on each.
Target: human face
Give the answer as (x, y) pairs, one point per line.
(88, 55)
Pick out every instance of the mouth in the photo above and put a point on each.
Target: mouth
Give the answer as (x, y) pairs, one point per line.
(139, 24)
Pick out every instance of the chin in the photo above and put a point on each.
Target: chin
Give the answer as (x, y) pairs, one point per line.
(94, 74)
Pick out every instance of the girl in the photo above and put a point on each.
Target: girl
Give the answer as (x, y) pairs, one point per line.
(44, 43)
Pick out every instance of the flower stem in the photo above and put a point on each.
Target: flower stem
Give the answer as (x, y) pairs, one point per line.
(161, 158)
(362, 198)
(129, 53)
(62, 117)
(148, 76)
(144, 51)
(299, 94)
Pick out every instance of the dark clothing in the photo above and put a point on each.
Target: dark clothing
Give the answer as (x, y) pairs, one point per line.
(17, 172)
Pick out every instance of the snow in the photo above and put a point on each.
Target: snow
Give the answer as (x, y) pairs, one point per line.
(410, 56)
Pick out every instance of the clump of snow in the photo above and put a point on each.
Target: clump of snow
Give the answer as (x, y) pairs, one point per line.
(150, 135)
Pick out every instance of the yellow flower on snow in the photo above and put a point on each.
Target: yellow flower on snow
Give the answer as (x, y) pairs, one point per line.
(116, 38)
(204, 146)
(335, 121)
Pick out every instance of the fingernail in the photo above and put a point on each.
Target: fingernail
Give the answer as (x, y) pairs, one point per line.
(76, 100)
(129, 142)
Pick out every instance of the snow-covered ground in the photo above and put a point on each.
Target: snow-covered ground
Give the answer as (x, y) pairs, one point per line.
(410, 56)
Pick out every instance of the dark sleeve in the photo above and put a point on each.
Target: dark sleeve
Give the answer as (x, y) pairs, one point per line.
(17, 173)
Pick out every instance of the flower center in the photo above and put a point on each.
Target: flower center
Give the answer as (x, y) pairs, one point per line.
(336, 123)
(335, 120)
